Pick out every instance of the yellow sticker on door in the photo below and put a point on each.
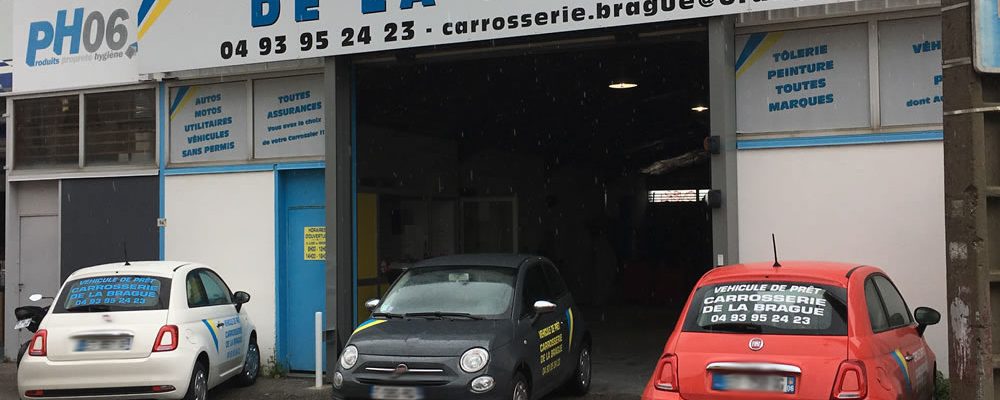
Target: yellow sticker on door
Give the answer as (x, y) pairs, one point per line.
(550, 347)
(315, 243)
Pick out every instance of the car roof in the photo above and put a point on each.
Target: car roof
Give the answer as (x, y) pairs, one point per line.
(836, 273)
(156, 268)
(515, 261)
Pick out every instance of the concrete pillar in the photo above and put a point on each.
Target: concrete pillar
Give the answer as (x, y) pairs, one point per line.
(722, 82)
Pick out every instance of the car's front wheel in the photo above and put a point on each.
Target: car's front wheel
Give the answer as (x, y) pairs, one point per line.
(251, 366)
(521, 389)
(198, 388)
(579, 382)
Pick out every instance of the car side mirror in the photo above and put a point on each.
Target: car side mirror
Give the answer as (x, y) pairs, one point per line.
(544, 307)
(925, 317)
(372, 304)
(241, 298)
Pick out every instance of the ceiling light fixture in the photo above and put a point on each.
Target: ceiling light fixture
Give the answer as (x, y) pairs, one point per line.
(623, 85)
(699, 109)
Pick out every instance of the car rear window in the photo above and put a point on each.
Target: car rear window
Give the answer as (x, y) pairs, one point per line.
(114, 293)
(789, 308)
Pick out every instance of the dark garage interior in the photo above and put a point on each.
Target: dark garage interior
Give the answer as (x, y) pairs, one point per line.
(535, 152)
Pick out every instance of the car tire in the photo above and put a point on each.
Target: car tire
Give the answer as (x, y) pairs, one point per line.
(198, 387)
(251, 366)
(521, 390)
(21, 351)
(579, 383)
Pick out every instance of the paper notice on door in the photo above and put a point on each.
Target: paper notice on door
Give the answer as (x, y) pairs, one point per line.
(315, 243)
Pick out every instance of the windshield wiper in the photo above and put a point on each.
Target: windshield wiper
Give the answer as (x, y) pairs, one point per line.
(441, 314)
(734, 327)
(386, 315)
(89, 308)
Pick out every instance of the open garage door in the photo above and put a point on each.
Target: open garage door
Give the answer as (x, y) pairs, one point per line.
(593, 158)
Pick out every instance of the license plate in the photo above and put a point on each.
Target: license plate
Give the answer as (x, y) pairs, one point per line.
(753, 383)
(396, 393)
(111, 344)
(22, 324)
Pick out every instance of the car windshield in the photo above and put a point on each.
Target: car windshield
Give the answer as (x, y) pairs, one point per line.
(789, 308)
(114, 293)
(444, 292)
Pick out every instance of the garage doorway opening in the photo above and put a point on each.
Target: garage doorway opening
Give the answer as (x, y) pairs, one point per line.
(592, 157)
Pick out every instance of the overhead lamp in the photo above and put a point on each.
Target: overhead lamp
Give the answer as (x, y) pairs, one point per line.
(699, 108)
(623, 84)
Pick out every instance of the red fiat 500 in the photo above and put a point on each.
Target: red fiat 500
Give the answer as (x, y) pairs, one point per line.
(804, 330)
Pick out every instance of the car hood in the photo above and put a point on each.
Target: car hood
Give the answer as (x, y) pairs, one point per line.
(429, 337)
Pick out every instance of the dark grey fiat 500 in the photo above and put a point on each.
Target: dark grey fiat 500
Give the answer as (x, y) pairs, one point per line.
(469, 327)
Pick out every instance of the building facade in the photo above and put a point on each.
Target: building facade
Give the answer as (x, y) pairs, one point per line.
(637, 144)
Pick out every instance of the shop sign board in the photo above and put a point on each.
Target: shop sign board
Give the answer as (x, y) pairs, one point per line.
(6, 77)
(65, 44)
(314, 238)
(209, 123)
(288, 117)
(813, 79)
(986, 19)
(910, 75)
(224, 33)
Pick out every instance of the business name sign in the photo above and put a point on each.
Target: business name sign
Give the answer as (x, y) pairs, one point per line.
(191, 34)
(6, 77)
(61, 44)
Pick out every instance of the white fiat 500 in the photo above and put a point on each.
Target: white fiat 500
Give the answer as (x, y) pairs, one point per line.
(163, 330)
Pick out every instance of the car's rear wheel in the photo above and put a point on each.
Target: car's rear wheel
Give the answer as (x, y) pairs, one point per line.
(198, 388)
(579, 382)
(521, 389)
(251, 366)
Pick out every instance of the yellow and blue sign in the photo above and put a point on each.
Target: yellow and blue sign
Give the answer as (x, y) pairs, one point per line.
(904, 367)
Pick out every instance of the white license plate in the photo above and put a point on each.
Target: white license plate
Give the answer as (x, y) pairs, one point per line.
(753, 383)
(109, 344)
(22, 324)
(396, 393)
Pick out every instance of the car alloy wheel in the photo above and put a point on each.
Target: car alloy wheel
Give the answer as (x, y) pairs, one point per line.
(201, 385)
(584, 368)
(252, 367)
(520, 388)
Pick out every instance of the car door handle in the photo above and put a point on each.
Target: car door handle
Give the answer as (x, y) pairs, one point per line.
(219, 325)
(908, 357)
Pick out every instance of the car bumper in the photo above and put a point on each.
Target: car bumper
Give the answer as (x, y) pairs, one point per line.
(449, 383)
(105, 379)
(454, 390)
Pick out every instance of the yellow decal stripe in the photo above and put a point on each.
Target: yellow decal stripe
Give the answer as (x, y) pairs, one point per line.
(368, 324)
(765, 46)
(153, 16)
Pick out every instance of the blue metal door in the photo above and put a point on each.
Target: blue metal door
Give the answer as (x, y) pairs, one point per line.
(303, 266)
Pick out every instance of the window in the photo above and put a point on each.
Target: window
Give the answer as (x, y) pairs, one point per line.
(47, 132)
(535, 289)
(556, 284)
(195, 291)
(114, 293)
(876, 312)
(215, 289)
(899, 314)
(120, 128)
(485, 292)
(769, 308)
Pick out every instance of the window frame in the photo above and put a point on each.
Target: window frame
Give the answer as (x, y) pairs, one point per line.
(881, 307)
(885, 309)
(526, 308)
(91, 170)
(229, 292)
(196, 273)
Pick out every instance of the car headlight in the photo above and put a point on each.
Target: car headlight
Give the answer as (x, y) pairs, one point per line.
(474, 360)
(349, 357)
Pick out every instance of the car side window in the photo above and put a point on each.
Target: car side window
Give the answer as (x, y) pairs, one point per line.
(535, 289)
(215, 289)
(876, 312)
(895, 306)
(556, 284)
(195, 290)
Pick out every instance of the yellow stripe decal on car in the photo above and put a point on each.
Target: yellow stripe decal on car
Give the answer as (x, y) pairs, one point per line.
(569, 317)
(368, 324)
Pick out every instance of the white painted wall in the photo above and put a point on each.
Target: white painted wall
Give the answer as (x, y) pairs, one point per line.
(226, 221)
(6, 30)
(881, 205)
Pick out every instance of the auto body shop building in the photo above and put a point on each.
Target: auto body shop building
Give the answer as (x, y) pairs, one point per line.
(306, 148)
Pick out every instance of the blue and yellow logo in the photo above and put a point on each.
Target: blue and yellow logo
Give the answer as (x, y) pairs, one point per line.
(213, 330)
(904, 367)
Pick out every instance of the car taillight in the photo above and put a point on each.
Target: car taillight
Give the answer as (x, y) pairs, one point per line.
(666, 374)
(852, 381)
(34, 393)
(38, 343)
(166, 339)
